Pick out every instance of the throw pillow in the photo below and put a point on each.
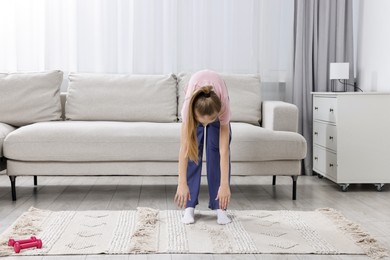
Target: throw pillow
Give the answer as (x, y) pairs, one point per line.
(117, 97)
(244, 94)
(30, 97)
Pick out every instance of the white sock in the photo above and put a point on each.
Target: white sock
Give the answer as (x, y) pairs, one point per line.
(222, 217)
(188, 217)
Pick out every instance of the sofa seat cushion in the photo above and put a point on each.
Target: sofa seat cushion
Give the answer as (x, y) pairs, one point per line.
(4, 131)
(80, 141)
(83, 141)
(254, 143)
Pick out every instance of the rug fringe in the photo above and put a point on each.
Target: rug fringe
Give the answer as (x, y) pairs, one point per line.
(370, 245)
(145, 231)
(22, 228)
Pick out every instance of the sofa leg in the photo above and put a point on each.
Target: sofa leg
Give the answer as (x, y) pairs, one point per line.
(35, 180)
(294, 192)
(274, 180)
(13, 188)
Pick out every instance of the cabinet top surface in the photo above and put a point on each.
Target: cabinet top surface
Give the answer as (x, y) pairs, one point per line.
(349, 93)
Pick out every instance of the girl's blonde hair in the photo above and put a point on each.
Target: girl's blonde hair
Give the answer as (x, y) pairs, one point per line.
(206, 103)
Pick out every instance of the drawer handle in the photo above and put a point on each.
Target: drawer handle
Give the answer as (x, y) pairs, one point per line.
(315, 108)
(331, 110)
(331, 165)
(330, 137)
(315, 133)
(316, 158)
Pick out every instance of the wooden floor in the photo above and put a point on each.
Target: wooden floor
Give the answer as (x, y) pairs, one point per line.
(362, 203)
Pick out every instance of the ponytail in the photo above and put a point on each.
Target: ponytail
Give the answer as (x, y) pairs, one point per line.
(205, 102)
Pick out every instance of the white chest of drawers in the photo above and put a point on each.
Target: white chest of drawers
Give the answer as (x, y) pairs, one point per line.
(351, 137)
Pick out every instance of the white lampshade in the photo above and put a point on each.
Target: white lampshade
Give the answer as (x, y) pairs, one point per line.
(339, 70)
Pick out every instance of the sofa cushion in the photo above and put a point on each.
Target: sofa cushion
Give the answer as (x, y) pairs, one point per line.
(244, 94)
(4, 131)
(254, 143)
(27, 98)
(115, 97)
(80, 141)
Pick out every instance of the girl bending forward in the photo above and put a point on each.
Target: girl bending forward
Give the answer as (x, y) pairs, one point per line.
(206, 106)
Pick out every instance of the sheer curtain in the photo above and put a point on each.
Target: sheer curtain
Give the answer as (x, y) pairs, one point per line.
(148, 36)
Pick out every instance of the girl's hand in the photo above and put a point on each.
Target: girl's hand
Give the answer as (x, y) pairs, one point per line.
(182, 195)
(223, 196)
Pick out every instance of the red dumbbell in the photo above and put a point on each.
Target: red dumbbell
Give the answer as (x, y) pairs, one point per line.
(18, 247)
(11, 242)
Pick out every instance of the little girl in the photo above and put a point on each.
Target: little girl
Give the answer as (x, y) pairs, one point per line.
(207, 106)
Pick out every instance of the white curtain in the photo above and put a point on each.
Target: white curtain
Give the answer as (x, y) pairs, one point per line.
(148, 36)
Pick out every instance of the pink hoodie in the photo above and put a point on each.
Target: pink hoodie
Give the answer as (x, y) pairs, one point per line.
(211, 78)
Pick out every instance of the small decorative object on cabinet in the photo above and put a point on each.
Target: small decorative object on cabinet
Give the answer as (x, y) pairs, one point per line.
(351, 137)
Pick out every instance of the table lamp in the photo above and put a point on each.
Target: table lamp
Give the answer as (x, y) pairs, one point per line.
(339, 71)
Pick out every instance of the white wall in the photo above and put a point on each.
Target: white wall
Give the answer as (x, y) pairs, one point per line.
(373, 45)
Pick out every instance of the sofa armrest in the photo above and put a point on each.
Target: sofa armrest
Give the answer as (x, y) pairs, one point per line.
(279, 116)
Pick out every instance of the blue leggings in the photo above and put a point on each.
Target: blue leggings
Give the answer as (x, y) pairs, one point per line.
(212, 162)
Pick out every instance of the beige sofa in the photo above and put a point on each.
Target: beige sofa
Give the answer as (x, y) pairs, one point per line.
(130, 125)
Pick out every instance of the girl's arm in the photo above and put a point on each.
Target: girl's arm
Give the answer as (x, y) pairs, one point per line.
(183, 192)
(224, 188)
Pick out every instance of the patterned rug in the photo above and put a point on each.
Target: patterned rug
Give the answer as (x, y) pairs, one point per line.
(146, 230)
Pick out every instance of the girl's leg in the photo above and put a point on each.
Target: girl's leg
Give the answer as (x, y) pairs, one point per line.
(213, 162)
(194, 171)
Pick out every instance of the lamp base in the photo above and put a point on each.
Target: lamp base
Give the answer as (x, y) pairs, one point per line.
(335, 89)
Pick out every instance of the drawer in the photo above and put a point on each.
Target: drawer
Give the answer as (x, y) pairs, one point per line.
(325, 135)
(324, 108)
(325, 162)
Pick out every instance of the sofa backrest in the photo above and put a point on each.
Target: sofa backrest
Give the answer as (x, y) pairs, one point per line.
(30, 97)
(115, 97)
(244, 95)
